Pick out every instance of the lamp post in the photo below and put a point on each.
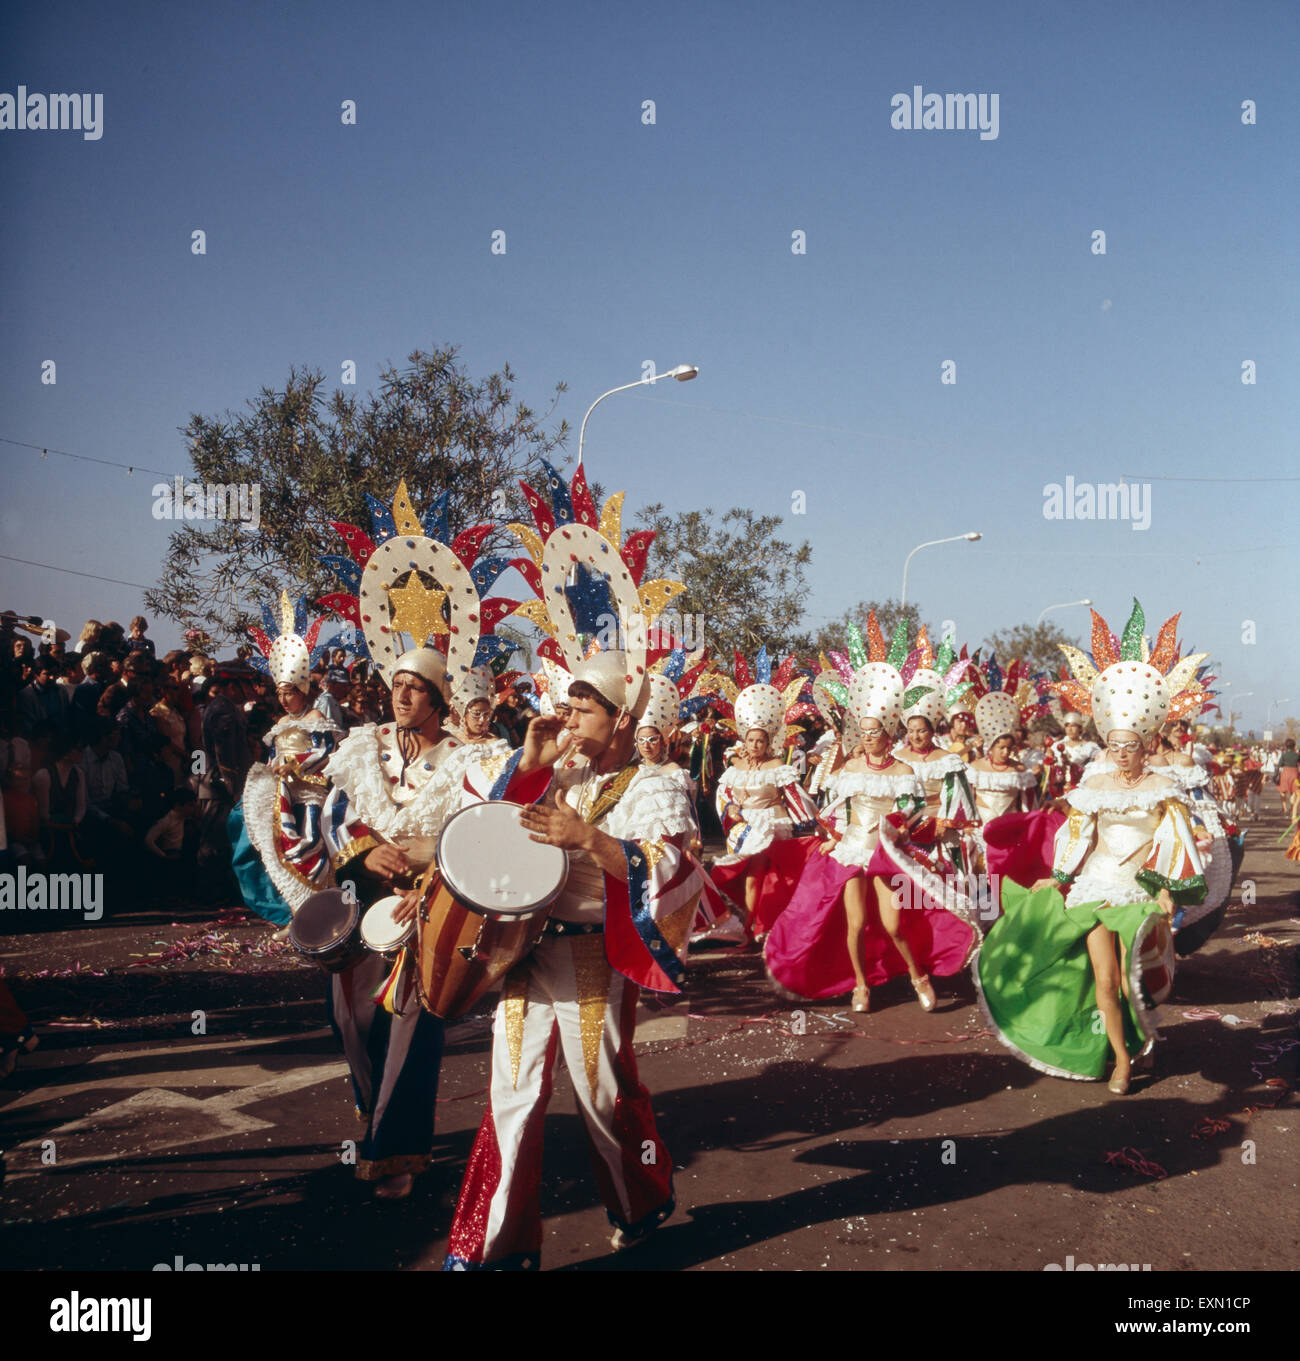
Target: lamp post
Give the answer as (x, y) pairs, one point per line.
(1272, 704)
(683, 373)
(1068, 605)
(972, 536)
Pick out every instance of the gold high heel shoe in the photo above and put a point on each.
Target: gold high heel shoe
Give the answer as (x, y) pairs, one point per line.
(924, 992)
(861, 999)
(1118, 1085)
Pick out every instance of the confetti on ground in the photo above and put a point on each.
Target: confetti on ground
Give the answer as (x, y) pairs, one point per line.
(1208, 1126)
(1132, 1159)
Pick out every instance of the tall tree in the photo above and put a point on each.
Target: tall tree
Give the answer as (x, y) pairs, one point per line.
(744, 585)
(1035, 644)
(313, 455)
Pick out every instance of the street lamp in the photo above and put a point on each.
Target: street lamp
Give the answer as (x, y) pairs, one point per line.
(954, 539)
(1068, 605)
(683, 373)
(1272, 704)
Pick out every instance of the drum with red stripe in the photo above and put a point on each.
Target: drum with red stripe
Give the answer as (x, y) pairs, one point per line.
(484, 905)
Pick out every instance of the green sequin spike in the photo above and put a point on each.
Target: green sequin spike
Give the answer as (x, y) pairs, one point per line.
(1130, 645)
(836, 689)
(898, 646)
(915, 693)
(857, 650)
(947, 654)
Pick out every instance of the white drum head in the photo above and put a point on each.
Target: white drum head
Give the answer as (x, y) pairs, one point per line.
(490, 863)
(378, 929)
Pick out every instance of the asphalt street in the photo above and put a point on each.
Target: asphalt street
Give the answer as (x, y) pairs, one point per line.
(188, 1100)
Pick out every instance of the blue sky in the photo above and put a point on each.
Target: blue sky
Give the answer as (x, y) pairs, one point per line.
(820, 372)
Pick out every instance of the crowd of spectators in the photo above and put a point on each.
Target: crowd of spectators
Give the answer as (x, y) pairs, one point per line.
(116, 761)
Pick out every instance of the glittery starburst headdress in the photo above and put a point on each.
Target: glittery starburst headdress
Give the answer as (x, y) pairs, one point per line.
(588, 579)
(409, 581)
(1127, 686)
(288, 647)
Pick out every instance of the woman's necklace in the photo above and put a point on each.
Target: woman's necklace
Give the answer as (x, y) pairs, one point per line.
(889, 761)
(1130, 783)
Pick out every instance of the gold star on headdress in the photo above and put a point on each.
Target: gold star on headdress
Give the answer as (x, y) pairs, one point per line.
(417, 610)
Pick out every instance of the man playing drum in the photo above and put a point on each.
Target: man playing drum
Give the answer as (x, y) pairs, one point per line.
(393, 787)
(621, 924)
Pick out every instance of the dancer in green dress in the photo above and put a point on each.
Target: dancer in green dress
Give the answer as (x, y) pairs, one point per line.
(1071, 973)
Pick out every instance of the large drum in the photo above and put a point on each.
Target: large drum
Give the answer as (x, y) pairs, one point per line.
(484, 905)
(327, 930)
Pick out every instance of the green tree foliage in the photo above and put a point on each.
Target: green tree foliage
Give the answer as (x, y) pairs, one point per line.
(745, 582)
(315, 454)
(1035, 644)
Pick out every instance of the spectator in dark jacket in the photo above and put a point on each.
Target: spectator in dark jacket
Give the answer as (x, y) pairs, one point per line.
(44, 700)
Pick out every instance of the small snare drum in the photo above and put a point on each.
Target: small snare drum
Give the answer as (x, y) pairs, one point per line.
(327, 930)
(380, 932)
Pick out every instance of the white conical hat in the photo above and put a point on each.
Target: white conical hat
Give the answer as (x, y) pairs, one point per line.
(552, 685)
(290, 662)
(610, 674)
(1129, 697)
(427, 663)
(759, 706)
(876, 691)
(476, 683)
(929, 705)
(663, 707)
(289, 658)
(996, 715)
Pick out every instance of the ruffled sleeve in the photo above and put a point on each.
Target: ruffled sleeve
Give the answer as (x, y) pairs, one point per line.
(956, 802)
(1175, 863)
(1074, 840)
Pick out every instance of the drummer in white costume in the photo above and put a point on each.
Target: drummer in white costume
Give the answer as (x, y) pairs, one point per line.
(618, 924)
(393, 787)
(623, 919)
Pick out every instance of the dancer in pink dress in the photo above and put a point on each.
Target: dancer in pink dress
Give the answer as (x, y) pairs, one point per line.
(854, 922)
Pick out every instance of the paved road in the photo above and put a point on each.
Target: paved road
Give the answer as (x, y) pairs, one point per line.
(804, 1138)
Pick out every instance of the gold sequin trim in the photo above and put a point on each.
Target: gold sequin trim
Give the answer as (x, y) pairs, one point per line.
(653, 853)
(357, 847)
(414, 1163)
(676, 927)
(591, 974)
(514, 1005)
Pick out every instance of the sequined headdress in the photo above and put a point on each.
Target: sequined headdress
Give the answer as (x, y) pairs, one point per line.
(1127, 686)
(766, 699)
(408, 581)
(289, 646)
(679, 689)
(589, 583)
